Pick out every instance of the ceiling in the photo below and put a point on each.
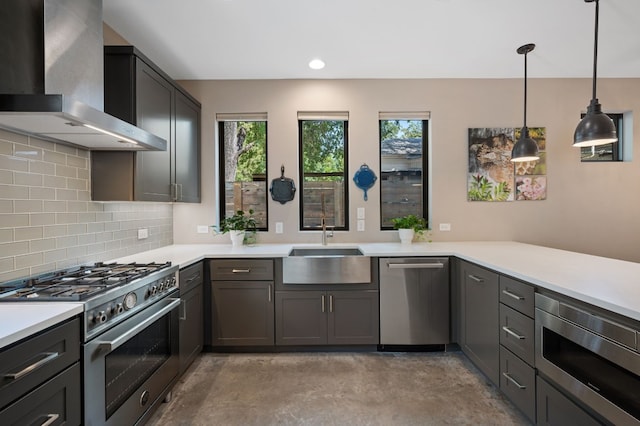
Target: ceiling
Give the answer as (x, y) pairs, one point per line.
(276, 39)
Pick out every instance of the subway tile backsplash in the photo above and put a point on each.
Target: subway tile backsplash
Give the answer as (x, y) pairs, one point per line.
(47, 218)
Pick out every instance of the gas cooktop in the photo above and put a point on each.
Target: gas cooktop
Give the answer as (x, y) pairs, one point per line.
(77, 284)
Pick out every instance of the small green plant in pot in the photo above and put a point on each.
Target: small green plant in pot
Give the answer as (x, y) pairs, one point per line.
(408, 226)
(240, 226)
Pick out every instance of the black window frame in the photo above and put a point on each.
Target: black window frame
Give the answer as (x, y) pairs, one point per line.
(424, 172)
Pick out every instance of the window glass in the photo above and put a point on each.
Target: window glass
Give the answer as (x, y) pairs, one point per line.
(403, 166)
(323, 159)
(607, 152)
(243, 164)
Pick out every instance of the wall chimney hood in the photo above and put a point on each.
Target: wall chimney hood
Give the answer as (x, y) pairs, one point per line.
(52, 80)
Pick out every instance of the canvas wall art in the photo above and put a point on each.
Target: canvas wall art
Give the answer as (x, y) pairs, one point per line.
(491, 174)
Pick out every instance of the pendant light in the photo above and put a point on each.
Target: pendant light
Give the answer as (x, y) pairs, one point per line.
(596, 128)
(525, 149)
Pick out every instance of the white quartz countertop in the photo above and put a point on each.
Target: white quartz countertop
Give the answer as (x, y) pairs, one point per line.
(608, 283)
(22, 319)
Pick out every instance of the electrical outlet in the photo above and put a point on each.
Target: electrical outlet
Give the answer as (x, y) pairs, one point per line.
(203, 229)
(143, 233)
(360, 212)
(360, 225)
(279, 228)
(445, 227)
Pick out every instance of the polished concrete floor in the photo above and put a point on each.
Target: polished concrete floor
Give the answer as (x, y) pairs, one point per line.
(335, 389)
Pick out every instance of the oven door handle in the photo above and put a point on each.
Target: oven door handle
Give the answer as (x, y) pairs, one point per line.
(115, 343)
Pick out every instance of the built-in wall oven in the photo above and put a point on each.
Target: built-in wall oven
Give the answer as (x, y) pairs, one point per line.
(591, 356)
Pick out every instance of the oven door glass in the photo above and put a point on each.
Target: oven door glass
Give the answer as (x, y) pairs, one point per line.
(130, 365)
(618, 385)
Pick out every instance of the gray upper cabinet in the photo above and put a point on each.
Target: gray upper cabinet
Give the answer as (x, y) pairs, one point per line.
(479, 325)
(140, 93)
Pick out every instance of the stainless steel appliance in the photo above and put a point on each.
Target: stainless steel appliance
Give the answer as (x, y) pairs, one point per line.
(593, 358)
(414, 301)
(130, 333)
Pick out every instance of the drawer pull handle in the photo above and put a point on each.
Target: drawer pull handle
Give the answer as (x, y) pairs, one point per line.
(240, 271)
(512, 295)
(331, 303)
(514, 381)
(437, 265)
(513, 333)
(48, 357)
(51, 418)
(183, 314)
(193, 278)
(476, 278)
(269, 293)
(322, 299)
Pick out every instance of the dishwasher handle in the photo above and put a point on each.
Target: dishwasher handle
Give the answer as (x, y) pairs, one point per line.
(434, 265)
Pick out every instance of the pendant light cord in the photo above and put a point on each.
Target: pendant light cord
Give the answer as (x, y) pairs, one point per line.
(595, 50)
(525, 89)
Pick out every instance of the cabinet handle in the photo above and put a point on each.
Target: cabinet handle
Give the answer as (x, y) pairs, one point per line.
(476, 278)
(513, 333)
(183, 314)
(269, 293)
(435, 265)
(322, 299)
(331, 303)
(514, 381)
(51, 418)
(195, 277)
(240, 271)
(180, 188)
(513, 295)
(48, 357)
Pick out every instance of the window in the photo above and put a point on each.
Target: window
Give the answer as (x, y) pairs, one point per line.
(608, 152)
(403, 166)
(243, 164)
(323, 159)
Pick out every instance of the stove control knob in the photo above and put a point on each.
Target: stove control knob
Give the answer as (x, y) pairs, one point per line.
(101, 317)
(173, 281)
(119, 308)
(154, 290)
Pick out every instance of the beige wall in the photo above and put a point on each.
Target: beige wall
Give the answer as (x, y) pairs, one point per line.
(591, 208)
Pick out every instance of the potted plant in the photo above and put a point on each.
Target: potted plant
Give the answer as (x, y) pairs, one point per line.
(408, 226)
(238, 226)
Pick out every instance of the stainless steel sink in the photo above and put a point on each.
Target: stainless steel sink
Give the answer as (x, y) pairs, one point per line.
(326, 265)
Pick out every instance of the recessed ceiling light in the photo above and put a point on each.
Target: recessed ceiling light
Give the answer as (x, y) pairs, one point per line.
(316, 64)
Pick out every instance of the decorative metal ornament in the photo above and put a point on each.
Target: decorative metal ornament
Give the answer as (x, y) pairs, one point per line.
(365, 178)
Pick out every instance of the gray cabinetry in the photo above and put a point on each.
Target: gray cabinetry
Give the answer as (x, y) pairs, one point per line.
(41, 378)
(335, 317)
(479, 336)
(555, 409)
(191, 314)
(242, 306)
(139, 92)
(517, 344)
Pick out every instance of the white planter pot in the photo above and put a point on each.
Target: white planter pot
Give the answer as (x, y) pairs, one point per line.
(406, 235)
(237, 238)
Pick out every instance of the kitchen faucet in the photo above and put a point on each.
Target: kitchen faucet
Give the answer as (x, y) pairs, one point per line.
(323, 222)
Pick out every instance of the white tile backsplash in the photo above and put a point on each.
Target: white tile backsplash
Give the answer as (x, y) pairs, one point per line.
(47, 218)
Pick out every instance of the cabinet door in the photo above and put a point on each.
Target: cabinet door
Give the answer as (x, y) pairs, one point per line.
(301, 318)
(242, 313)
(154, 112)
(353, 318)
(191, 326)
(555, 409)
(187, 149)
(480, 318)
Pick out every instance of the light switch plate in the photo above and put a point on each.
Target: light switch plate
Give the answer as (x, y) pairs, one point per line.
(203, 229)
(360, 225)
(143, 233)
(445, 227)
(360, 212)
(279, 228)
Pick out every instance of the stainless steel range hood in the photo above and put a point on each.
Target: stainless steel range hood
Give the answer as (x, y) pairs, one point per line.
(52, 80)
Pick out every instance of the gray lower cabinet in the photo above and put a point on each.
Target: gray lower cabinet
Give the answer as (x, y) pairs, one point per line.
(316, 317)
(555, 409)
(242, 308)
(191, 314)
(479, 322)
(40, 378)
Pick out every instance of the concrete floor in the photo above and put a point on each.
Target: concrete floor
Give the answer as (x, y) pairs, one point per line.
(335, 389)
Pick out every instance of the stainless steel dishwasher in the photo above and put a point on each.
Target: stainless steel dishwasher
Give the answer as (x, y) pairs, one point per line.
(414, 301)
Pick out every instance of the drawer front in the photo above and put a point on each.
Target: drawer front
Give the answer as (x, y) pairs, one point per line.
(58, 402)
(517, 333)
(518, 382)
(518, 295)
(242, 269)
(555, 409)
(191, 277)
(34, 361)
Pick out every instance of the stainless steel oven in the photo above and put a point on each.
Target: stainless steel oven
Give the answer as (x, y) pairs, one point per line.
(593, 358)
(130, 367)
